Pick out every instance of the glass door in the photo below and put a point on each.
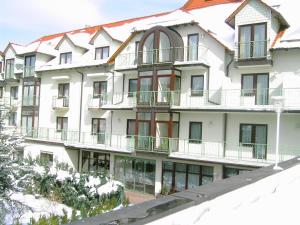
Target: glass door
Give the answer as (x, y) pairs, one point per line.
(162, 137)
(28, 96)
(245, 42)
(103, 93)
(259, 43)
(139, 175)
(27, 125)
(144, 139)
(145, 93)
(262, 91)
(163, 90)
(260, 147)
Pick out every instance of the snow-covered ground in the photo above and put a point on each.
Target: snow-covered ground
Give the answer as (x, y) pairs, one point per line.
(37, 207)
(273, 200)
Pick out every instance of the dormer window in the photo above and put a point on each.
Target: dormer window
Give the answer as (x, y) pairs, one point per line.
(102, 53)
(29, 66)
(252, 41)
(65, 58)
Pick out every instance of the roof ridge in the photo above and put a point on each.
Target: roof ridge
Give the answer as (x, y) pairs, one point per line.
(95, 28)
(197, 4)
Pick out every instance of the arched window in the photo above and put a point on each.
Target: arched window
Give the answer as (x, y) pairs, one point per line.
(160, 44)
(164, 48)
(148, 49)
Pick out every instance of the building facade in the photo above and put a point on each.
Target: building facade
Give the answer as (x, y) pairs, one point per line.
(168, 101)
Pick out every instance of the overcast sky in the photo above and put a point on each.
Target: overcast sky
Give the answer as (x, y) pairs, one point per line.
(23, 21)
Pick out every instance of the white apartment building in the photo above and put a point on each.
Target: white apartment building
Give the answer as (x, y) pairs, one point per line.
(173, 100)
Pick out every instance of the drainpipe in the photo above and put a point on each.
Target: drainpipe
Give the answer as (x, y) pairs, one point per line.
(111, 120)
(123, 84)
(80, 104)
(228, 65)
(225, 133)
(207, 83)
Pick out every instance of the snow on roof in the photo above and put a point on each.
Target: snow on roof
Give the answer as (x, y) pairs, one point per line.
(272, 200)
(217, 26)
(210, 15)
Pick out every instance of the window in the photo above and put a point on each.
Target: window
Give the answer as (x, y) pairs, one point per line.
(100, 89)
(256, 85)
(12, 119)
(1, 92)
(132, 88)
(252, 41)
(30, 60)
(63, 90)
(193, 42)
(99, 129)
(14, 92)
(95, 162)
(29, 65)
(46, 158)
(137, 44)
(195, 133)
(102, 53)
(10, 67)
(180, 176)
(62, 124)
(254, 136)
(135, 173)
(229, 172)
(197, 85)
(1, 67)
(66, 58)
(130, 128)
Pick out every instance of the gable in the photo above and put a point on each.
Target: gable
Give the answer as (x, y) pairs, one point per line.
(101, 38)
(65, 45)
(253, 12)
(10, 53)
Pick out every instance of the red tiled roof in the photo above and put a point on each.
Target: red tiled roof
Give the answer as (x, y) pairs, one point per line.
(278, 36)
(93, 29)
(197, 4)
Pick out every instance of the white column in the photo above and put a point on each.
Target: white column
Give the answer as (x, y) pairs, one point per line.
(218, 172)
(158, 176)
(111, 165)
(276, 167)
(80, 160)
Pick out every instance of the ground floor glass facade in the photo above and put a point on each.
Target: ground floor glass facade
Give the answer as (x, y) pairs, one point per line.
(95, 162)
(137, 174)
(179, 176)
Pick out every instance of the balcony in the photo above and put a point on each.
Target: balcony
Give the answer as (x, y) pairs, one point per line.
(179, 56)
(99, 101)
(252, 53)
(236, 99)
(29, 71)
(10, 75)
(153, 98)
(60, 103)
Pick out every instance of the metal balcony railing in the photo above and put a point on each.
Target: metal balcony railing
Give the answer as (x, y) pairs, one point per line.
(29, 71)
(60, 102)
(252, 50)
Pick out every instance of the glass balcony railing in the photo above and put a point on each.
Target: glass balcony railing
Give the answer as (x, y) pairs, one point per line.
(179, 147)
(99, 101)
(30, 101)
(9, 74)
(60, 102)
(253, 50)
(185, 54)
(29, 71)
(236, 98)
